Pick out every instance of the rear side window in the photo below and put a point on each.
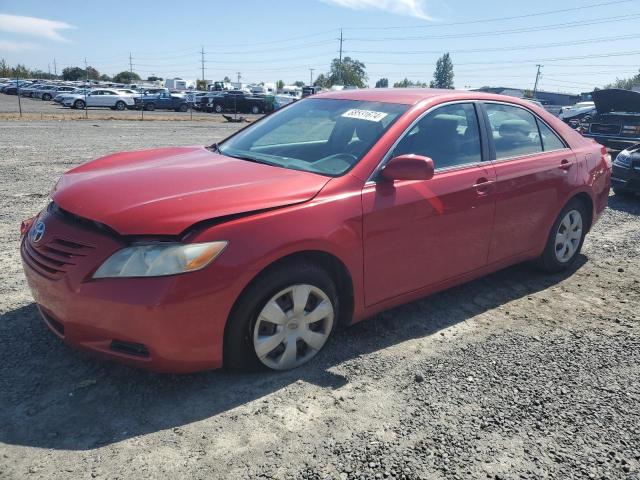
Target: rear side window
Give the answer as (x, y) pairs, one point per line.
(550, 140)
(448, 135)
(514, 130)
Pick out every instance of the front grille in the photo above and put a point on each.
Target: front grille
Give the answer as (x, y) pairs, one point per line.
(605, 128)
(54, 257)
(130, 348)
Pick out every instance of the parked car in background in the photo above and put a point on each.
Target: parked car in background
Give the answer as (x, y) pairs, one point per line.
(163, 101)
(100, 97)
(59, 98)
(625, 176)
(234, 101)
(616, 122)
(50, 93)
(249, 253)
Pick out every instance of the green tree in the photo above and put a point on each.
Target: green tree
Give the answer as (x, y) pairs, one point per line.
(406, 83)
(625, 83)
(73, 74)
(153, 78)
(527, 94)
(226, 79)
(299, 83)
(5, 70)
(443, 76)
(347, 72)
(201, 85)
(321, 81)
(382, 83)
(279, 85)
(126, 77)
(92, 73)
(105, 78)
(20, 71)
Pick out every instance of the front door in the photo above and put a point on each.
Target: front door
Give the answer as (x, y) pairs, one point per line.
(421, 233)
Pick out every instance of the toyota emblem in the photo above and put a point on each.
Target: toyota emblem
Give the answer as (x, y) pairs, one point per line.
(37, 232)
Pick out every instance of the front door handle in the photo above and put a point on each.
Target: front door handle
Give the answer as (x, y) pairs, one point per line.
(483, 185)
(565, 164)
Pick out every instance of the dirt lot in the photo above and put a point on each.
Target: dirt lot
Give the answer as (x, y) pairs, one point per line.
(517, 375)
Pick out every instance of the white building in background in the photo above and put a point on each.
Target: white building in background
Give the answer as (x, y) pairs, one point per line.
(179, 84)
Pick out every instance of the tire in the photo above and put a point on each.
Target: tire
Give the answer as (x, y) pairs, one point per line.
(556, 257)
(120, 105)
(46, 97)
(244, 327)
(79, 104)
(255, 109)
(218, 108)
(150, 107)
(183, 108)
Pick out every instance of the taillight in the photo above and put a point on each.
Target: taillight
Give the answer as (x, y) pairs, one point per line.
(26, 225)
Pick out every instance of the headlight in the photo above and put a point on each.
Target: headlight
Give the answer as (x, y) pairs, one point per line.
(159, 259)
(623, 159)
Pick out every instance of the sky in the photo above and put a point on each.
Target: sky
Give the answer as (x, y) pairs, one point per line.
(579, 43)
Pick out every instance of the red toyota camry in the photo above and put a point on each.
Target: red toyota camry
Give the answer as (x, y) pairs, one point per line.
(250, 253)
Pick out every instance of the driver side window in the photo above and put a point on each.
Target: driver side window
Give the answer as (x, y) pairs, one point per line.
(449, 135)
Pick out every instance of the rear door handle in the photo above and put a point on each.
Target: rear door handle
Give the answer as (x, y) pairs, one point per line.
(565, 164)
(483, 185)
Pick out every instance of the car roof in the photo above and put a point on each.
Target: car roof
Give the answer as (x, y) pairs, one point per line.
(412, 96)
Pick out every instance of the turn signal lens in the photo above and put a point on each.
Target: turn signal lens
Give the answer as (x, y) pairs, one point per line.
(159, 259)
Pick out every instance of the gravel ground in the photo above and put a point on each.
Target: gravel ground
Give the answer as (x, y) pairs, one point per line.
(518, 375)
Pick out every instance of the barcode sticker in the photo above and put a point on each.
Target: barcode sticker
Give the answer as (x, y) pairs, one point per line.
(369, 115)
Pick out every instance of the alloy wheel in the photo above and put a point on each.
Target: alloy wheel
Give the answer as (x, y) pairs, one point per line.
(293, 326)
(568, 236)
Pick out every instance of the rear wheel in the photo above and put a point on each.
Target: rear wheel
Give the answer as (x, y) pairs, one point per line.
(218, 108)
(150, 107)
(566, 238)
(183, 108)
(79, 104)
(120, 105)
(46, 97)
(255, 109)
(282, 320)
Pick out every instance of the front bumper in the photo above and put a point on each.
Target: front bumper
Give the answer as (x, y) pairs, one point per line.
(626, 178)
(167, 324)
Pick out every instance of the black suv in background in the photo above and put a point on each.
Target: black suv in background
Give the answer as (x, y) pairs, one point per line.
(616, 123)
(234, 101)
(625, 172)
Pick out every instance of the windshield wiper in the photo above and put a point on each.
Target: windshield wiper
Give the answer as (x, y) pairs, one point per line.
(214, 147)
(252, 159)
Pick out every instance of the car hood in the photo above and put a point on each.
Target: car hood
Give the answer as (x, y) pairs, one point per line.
(616, 100)
(165, 191)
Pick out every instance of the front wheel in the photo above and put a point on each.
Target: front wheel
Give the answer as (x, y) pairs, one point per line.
(79, 104)
(46, 97)
(282, 320)
(150, 107)
(255, 109)
(183, 108)
(565, 239)
(218, 108)
(120, 105)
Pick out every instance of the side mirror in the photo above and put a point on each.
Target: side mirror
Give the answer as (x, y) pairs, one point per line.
(409, 167)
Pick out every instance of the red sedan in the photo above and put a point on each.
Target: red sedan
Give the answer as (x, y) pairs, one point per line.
(250, 253)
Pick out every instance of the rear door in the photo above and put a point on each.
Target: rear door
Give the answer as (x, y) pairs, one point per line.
(421, 233)
(534, 173)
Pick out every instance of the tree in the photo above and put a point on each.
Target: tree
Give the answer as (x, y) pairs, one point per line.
(226, 80)
(126, 77)
(73, 74)
(443, 76)
(382, 83)
(527, 94)
(153, 78)
(321, 81)
(105, 78)
(625, 83)
(201, 85)
(347, 72)
(279, 85)
(92, 73)
(299, 83)
(20, 71)
(5, 70)
(406, 83)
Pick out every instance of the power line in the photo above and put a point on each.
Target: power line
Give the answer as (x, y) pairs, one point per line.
(498, 19)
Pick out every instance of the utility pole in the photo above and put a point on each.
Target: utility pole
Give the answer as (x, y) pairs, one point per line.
(86, 86)
(340, 57)
(311, 78)
(55, 68)
(535, 86)
(49, 68)
(202, 61)
(239, 76)
(130, 64)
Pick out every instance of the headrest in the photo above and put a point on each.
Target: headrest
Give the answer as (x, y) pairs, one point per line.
(514, 128)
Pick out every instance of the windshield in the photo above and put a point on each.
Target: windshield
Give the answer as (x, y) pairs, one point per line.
(324, 136)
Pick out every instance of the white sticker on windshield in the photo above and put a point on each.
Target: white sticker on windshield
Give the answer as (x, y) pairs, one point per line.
(370, 115)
